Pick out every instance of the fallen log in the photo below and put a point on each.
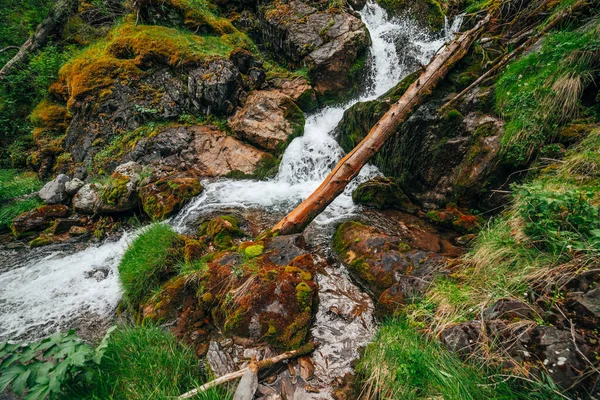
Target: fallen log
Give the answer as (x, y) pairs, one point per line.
(561, 16)
(254, 367)
(352, 163)
(57, 17)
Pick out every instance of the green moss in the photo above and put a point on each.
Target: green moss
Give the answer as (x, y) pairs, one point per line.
(115, 190)
(254, 251)
(42, 240)
(303, 295)
(428, 12)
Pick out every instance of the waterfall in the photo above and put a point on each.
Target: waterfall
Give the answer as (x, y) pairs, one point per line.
(45, 295)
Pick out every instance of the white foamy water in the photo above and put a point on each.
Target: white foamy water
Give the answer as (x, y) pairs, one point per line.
(43, 296)
(37, 298)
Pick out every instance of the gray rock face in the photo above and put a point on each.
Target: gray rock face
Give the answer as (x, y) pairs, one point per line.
(72, 186)
(54, 192)
(329, 43)
(216, 87)
(130, 170)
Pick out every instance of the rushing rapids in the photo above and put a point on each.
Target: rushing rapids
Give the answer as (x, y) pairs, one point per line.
(54, 291)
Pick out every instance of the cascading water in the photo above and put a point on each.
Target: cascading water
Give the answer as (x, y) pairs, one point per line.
(51, 293)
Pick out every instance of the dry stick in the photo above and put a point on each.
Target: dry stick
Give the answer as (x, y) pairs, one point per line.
(257, 366)
(530, 42)
(352, 163)
(43, 31)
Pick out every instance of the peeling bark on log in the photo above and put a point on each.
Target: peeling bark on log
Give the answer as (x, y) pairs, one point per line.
(352, 163)
(561, 16)
(57, 17)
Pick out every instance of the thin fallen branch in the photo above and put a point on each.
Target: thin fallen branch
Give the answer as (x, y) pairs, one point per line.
(9, 48)
(57, 17)
(352, 163)
(530, 42)
(254, 367)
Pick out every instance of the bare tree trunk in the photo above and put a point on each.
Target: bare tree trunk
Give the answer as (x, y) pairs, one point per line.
(561, 16)
(57, 17)
(352, 163)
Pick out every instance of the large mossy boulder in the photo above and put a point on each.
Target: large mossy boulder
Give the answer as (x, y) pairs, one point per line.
(256, 291)
(436, 157)
(386, 265)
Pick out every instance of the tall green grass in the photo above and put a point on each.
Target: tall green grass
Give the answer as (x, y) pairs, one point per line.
(403, 364)
(143, 363)
(144, 261)
(14, 183)
(541, 91)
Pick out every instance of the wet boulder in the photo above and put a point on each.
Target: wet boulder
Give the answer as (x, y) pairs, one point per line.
(168, 195)
(39, 219)
(54, 192)
(268, 120)
(382, 193)
(298, 89)
(385, 264)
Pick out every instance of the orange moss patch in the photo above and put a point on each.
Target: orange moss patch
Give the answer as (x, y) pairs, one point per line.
(129, 49)
(50, 116)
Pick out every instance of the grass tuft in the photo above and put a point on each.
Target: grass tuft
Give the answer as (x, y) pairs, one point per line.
(403, 364)
(146, 259)
(143, 363)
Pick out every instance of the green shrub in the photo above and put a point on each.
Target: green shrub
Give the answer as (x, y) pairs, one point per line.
(559, 220)
(403, 364)
(143, 363)
(146, 259)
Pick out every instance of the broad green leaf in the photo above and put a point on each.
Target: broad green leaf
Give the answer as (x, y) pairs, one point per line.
(37, 392)
(20, 383)
(9, 374)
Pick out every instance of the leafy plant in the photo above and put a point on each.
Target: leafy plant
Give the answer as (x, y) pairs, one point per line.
(43, 367)
(560, 220)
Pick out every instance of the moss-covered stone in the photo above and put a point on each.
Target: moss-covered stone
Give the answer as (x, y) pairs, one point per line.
(382, 193)
(167, 195)
(428, 12)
